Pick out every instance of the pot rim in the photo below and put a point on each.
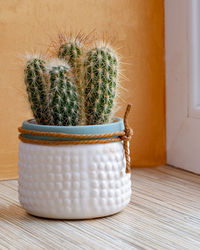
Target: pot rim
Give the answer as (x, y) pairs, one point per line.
(116, 126)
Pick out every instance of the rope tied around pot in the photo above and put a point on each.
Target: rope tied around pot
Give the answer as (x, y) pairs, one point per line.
(124, 136)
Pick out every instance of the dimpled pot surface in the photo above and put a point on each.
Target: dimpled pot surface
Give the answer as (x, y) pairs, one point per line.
(73, 181)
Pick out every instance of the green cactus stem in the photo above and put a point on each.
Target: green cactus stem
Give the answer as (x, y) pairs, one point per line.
(37, 89)
(72, 52)
(101, 77)
(63, 99)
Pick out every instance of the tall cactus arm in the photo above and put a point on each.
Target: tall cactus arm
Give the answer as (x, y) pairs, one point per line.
(72, 52)
(36, 88)
(101, 78)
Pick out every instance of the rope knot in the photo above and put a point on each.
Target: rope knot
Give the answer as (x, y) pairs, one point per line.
(127, 135)
(128, 132)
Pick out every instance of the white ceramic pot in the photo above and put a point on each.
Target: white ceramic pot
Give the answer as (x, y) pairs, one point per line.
(73, 181)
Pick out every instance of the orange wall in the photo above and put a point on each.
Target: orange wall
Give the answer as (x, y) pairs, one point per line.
(137, 24)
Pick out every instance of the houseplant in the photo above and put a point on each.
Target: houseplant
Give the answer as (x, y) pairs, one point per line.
(74, 156)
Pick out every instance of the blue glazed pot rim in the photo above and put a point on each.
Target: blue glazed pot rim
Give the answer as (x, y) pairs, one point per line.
(115, 126)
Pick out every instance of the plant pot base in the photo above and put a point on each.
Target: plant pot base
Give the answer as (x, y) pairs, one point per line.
(67, 217)
(73, 181)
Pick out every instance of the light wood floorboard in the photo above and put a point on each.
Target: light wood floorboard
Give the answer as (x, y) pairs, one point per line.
(164, 213)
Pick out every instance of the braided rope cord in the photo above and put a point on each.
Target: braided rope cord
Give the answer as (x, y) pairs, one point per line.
(124, 136)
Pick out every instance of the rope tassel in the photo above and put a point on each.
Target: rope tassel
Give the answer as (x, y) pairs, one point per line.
(124, 136)
(128, 132)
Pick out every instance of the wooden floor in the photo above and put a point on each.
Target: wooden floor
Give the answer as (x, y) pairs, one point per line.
(164, 213)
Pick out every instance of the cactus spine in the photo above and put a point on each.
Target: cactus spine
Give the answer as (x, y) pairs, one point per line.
(101, 76)
(37, 89)
(63, 99)
(72, 52)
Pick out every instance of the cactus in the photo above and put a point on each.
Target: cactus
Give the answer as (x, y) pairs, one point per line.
(78, 90)
(63, 97)
(72, 52)
(37, 89)
(101, 77)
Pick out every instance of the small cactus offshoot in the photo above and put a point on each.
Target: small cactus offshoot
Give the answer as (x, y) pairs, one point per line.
(63, 97)
(101, 77)
(71, 52)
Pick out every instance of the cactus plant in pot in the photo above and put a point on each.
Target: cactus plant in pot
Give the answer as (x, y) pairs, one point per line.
(74, 155)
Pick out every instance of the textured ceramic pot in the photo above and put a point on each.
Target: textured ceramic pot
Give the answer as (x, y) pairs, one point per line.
(73, 181)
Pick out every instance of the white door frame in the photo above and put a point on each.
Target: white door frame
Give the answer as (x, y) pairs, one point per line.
(182, 43)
